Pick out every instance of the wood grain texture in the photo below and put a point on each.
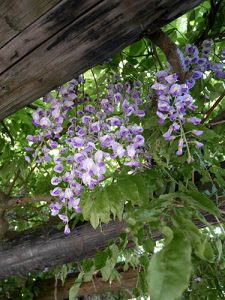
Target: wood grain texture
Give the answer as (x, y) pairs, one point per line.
(45, 27)
(49, 247)
(16, 15)
(46, 247)
(95, 35)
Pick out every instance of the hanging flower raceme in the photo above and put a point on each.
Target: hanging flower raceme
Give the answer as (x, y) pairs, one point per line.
(175, 103)
(94, 136)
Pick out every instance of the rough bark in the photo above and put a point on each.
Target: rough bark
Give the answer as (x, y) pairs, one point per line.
(70, 38)
(50, 247)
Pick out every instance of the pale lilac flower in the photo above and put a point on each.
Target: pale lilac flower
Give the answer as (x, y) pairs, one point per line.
(73, 202)
(58, 168)
(55, 208)
(197, 132)
(77, 142)
(45, 122)
(180, 147)
(131, 151)
(194, 120)
(56, 192)
(198, 144)
(172, 78)
(56, 180)
(139, 141)
(67, 229)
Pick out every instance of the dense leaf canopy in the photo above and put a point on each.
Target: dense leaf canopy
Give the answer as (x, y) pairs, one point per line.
(154, 160)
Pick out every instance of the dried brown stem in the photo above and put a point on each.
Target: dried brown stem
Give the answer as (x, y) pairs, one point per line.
(14, 181)
(20, 200)
(208, 113)
(171, 51)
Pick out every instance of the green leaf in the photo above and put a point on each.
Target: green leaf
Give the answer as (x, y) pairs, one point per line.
(170, 269)
(74, 290)
(201, 201)
(129, 190)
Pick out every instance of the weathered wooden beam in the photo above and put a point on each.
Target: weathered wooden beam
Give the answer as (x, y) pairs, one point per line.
(48, 247)
(45, 248)
(128, 281)
(16, 15)
(94, 33)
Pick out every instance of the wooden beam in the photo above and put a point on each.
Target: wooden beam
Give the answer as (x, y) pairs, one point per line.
(50, 247)
(46, 247)
(128, 281)
(98, 30)
(15, 16)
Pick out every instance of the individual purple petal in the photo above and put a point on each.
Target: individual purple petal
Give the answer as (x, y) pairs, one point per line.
(196, 75)
(161, 75)
(99, 156)
(53, 144)
(27, 158)
(45, 122)
(86, 120)
(131, 151)
(56, 192)
(67, 229)
(55, 208)
(140, 113)
(163, 106)
(180, 147)
(89, 108)
(95, 127)
(78, 210)
(198, 144)
(114, 121)
(176, 90)
(172, 78)
(137, 129)
(197, 132)
(139, 140)
(117, 97)
(73, 202)
(63, 217)
(58, 168)
(118, 150)
(162, 117)
(56, 180)
(194, 120)
(77, 142)
(68, 193)
(79, 157)
(217, 67)
(190, 83)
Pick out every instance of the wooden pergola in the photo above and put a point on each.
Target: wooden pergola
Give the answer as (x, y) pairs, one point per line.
(44, 44)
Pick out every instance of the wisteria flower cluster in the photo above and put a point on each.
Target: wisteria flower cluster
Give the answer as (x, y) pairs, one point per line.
(174, 100)
(94, 135)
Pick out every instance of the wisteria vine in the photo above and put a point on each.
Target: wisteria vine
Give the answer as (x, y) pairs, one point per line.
(111, 130)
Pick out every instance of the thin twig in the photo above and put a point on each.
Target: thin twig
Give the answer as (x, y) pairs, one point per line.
(26, 199)
(157, 56)
(14, 181)
(96, 84)
(171, 51)
(8, 133)
(55, 289)
(208, 113)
